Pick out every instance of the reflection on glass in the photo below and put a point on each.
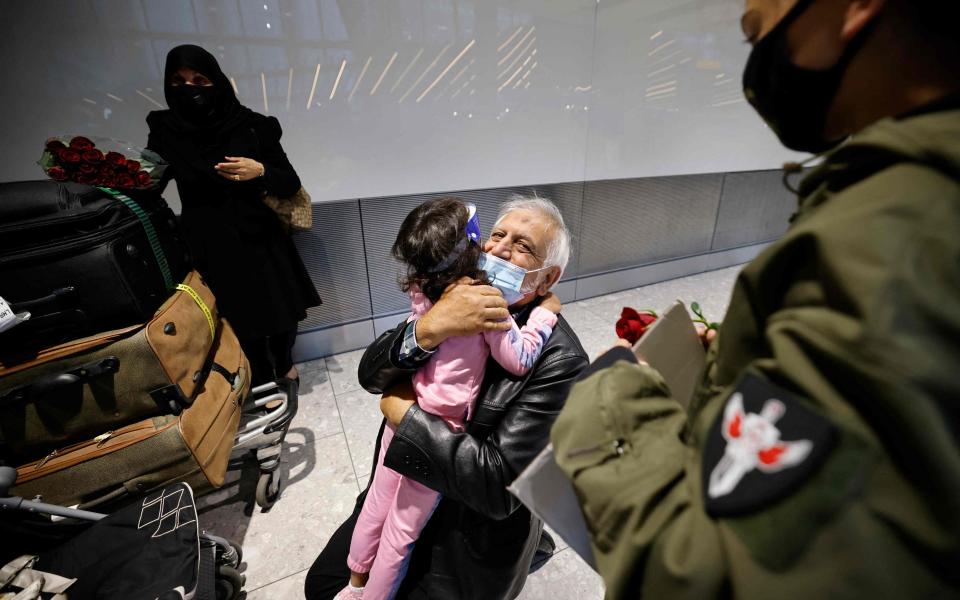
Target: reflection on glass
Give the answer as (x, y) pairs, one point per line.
(365, 89)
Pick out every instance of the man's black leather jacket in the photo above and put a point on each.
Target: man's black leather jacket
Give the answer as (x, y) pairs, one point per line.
(481, 539)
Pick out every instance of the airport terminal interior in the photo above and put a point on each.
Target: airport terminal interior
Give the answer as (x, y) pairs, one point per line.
(207, 220)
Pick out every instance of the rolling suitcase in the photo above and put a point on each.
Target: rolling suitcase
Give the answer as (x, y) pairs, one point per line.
(74, 391)
(82, 260)
(193, 446)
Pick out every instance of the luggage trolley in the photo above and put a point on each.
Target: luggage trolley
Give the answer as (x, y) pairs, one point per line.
(152, 547)
(266, 417)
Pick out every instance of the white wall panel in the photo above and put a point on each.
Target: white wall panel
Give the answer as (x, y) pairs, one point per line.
(379, 98)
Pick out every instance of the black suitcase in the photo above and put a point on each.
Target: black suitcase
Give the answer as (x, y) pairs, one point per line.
(82, 261)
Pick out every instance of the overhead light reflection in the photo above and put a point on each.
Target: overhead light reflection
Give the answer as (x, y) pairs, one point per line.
(659, 93)
(662, 70)
(383, 74)
(656, 35)
(363, 72)
(519, 56)
(461, 72)
(465, 85)
(155, 103)
(509, 39)
(662, 85)
(728, 102)
(333, 90)
(407, 70)
(263, 85)
(507, 56)
(117, 98)
(510, 80)
(445, 71)
(313, 88)
(661, 47)
(424, 74)
(289, 87)
(673, 54)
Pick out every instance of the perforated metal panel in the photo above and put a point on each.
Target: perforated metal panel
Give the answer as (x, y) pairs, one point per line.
(382, 217)
(755, 207)
(334, 256)
(631, 222)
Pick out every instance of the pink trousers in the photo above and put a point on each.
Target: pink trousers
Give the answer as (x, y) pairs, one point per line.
(394, 513)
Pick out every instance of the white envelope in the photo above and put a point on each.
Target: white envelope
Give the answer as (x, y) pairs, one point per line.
(671, 345)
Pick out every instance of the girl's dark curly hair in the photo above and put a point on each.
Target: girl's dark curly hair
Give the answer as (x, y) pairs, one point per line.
(429, 236)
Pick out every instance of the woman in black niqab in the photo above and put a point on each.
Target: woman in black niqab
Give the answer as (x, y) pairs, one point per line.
(225, 157)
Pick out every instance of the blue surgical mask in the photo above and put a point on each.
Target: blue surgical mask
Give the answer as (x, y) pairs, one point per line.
(513, 282)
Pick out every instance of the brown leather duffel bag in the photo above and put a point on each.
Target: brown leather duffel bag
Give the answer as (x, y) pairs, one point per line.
(85, 387)
(194, 446)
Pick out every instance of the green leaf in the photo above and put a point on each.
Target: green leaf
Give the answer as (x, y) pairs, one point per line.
(650, 312)
(695, 307)
(46, 160)
(713, 326)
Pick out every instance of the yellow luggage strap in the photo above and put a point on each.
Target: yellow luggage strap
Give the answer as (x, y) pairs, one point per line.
(206, 311)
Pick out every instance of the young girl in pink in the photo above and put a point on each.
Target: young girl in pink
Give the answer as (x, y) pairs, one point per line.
(437, 249)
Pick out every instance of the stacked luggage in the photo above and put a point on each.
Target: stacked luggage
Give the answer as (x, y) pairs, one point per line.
(148, 389)
(120, 378)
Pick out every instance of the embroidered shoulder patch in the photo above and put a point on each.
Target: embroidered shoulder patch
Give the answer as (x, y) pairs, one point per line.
(761, 448)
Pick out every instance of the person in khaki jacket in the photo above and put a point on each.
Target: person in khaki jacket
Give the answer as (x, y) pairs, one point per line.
(819, 457)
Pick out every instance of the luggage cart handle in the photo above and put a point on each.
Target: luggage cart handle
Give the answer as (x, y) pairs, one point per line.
(59, 383)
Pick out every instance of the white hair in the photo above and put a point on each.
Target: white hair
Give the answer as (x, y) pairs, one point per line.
(558, 248)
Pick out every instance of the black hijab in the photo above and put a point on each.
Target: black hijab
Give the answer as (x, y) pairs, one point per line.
(221, 110)
(199, 131)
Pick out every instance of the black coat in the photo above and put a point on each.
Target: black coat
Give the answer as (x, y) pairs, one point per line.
(238, 244)
(481, 539)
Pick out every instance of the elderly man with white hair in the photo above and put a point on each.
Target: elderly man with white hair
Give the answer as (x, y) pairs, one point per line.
(480, 541)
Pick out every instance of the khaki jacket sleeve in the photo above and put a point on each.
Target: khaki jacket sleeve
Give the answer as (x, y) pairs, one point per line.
(620, 440)
(855, 313)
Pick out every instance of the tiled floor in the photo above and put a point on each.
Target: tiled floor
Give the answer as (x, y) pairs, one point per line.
(330, 449)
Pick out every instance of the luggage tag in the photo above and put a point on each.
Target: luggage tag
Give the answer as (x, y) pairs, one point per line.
(8, 318)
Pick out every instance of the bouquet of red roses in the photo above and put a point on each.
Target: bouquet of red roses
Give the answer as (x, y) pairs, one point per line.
(112, 165)
(633, 323)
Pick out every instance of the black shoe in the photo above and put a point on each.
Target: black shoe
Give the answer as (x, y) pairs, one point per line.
(545, 549)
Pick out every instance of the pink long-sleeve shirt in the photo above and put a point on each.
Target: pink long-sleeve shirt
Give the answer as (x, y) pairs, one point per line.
(449, 383)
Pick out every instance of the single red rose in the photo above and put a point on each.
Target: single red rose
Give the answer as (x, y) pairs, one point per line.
(109, 180)
(126, 180)
(632, 324)
(58, 173)
(143, 178)
(54, 145)
(115, 158)
(69, 156)
(87, 168)
(81, 143)
(93, 156)
(87, 178)
(133, 165)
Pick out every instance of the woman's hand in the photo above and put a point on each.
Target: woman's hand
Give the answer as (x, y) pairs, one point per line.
(239, 168)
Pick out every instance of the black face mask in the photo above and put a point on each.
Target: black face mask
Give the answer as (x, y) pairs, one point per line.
(195, 102)
(794, 101)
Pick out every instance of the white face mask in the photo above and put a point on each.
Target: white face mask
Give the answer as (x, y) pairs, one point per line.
(513, 281)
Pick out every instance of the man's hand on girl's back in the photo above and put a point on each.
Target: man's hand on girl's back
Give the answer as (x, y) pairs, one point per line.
(463, 309)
